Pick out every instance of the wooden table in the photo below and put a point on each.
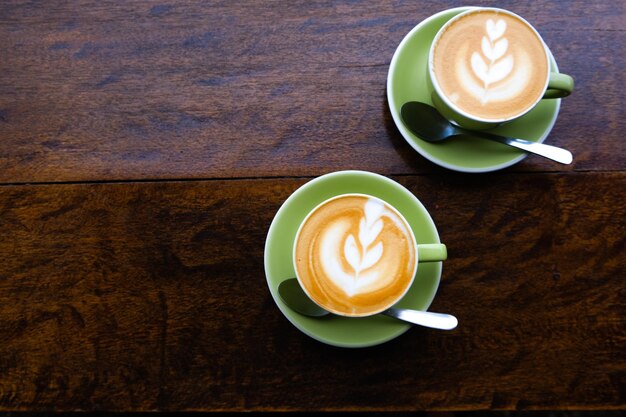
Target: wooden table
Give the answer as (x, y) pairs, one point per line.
(146, 146)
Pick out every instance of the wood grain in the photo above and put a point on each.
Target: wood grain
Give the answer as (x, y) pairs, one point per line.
(145, 147)
(152, 296)
(152, 90)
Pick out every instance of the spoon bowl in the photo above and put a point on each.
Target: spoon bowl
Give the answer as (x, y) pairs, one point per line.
(295, 298)
(426, 122)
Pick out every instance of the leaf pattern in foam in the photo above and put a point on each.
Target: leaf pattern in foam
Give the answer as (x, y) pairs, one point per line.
(494, 51)
(501, 69)
(352, 254)
(493, 47)
(370, 227)
(479, 67)
(367, 233)
(372, 256)
(495, 29)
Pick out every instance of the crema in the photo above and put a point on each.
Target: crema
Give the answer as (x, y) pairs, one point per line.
(491, 65)
(355, 255)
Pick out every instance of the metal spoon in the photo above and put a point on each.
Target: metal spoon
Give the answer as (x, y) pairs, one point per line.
(426, 122)
(296, 299)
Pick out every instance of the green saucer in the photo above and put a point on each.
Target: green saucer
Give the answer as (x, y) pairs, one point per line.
(344, 331)
(406, 81)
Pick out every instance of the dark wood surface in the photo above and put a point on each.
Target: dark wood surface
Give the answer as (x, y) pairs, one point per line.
(146, 146)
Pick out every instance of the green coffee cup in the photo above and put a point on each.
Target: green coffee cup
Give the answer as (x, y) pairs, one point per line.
(488, 66)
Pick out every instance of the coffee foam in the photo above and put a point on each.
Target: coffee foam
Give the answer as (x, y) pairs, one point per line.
(355, 255)
(490, 65)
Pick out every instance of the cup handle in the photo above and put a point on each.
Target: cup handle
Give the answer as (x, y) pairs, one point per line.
(432, 252)
(559, 85)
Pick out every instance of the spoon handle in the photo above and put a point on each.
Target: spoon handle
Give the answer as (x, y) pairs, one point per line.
(551, 152)
(424, 318)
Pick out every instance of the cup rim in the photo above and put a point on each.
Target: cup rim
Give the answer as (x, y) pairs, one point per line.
(453, 106)
(395, 210)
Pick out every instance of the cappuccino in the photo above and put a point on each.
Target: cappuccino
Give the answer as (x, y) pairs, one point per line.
(490, 64)
(355, 255)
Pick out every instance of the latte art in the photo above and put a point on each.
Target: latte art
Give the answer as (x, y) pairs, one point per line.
(354, 269)
(355, 254)
(490, 64)
(496, 67)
